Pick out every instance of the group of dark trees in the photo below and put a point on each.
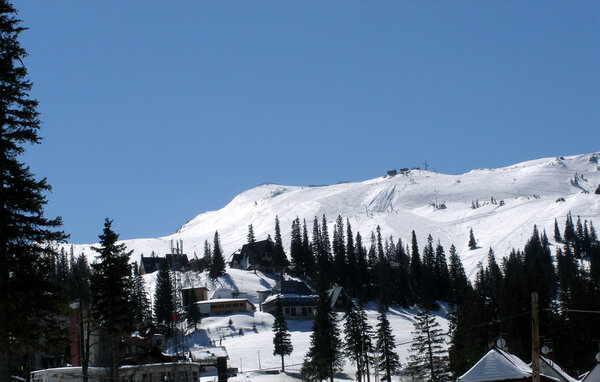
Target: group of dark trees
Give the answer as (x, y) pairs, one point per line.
(498, 304)
(327, 347)
(386, 270)
(405, 275)
(110, 299)
(33, 291)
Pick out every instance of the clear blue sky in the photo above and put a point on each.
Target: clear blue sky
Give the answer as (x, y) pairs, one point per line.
(155, 111)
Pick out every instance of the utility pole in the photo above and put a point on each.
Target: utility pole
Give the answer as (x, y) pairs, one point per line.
(535, 339)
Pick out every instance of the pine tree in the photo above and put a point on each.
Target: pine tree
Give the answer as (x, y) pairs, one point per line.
(27, 292)
(307, 254)
(193, 312)
(339, 253)
(457, 278)
(472, 241)
(362, 265)
(207, 254)
(385, 347)
(324, 357)
(296, 252)
(280, 260)
(569, 231)
(111, 287)
(415, 267)
(140, 297)
(557, 237)
(251, 239)
(441, 275)
(217, 264)
(427, 276)
(79, 276)
(281, 340)
(164, 307)
(357, 337)
(428, 358)
(352, 269)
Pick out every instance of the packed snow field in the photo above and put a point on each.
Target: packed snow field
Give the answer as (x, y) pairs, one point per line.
(252, 351)
(510, 201)
(526, 193)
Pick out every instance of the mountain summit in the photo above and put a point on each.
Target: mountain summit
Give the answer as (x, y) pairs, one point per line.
(501, 206)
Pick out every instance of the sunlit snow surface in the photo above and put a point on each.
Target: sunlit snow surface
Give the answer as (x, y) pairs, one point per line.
(403, 203)
(246, 349)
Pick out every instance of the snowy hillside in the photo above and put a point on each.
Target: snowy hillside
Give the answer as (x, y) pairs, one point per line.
(252, 350)
(527, 193)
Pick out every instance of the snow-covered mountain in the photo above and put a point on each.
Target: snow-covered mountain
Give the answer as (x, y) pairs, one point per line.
(528, 193)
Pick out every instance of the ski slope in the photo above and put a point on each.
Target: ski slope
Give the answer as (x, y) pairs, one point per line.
(531, 192)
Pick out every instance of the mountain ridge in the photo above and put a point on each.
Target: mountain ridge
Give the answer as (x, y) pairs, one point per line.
(527, 193)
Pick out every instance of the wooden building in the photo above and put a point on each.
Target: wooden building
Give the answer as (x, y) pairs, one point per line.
(190, 294)
(158, 372)
(257, 256)
(225, 306)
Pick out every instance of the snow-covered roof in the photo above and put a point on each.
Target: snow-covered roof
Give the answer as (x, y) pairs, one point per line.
(194, 287)
(223, 300)
(594, 375)
(204, 353)
(289, 295)
(551, 369)
(497, 365)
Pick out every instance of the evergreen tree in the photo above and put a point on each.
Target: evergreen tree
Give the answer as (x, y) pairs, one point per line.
(472, 241)
(362, 276)
(207, 254)
(324, 357)
(296, 254)
(402, 294)
(492, 281)
(352, 266)
(322, 248)
(540, 273)
(415, 266)
(217, 264)
(140, 298)
(357, 337)
(281, 340)
(111, 287)
(307, 254)
(251, 239)
(193, 312)
(569, 231)
(428, 360)
(458, 282)
(557, 237)
(325, 242)
(80, 291)
(427, 287)
(339, 253)
(388, 358)
(164, 307)
(280, 260)
(27, 291)
(441, 275)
